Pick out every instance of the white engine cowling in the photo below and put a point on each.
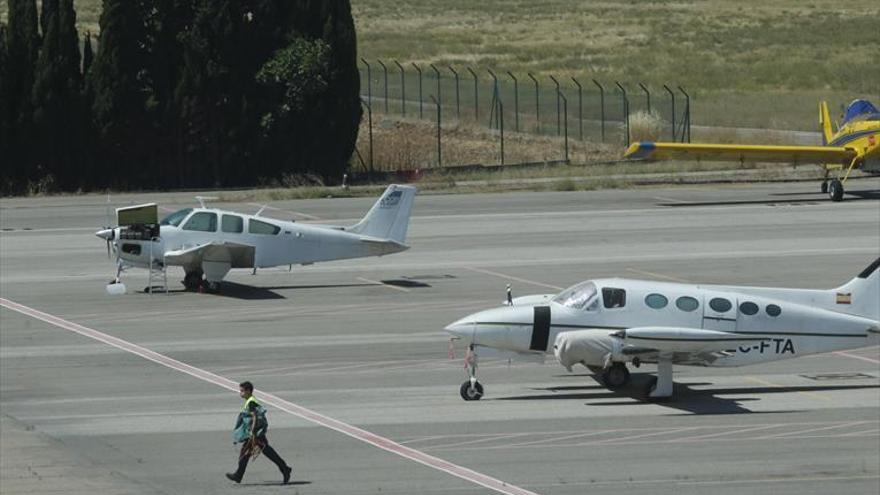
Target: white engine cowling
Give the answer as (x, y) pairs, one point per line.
(587, 347)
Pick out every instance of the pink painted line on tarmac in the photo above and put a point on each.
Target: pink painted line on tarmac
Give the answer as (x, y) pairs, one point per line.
(273, 400)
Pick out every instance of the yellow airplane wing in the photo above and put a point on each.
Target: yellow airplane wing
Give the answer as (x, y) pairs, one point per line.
(740, 153)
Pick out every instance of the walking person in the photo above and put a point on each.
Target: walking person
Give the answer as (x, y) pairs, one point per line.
(250, 431)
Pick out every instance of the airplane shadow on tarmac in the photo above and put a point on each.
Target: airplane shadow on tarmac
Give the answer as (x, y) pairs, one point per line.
(803, 199)
(254, 293)
(685, 397)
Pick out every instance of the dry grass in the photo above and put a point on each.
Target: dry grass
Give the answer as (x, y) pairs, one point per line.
(412, 145)
(644, 126)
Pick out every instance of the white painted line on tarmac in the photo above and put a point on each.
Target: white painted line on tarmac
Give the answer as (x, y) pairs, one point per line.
(511, 277)
(811, 430)
(856, 356)
(658, 275)
(304, 215)
(289, 407)
(776, 385)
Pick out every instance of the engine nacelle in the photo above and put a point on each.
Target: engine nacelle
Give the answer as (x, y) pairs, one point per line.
(588, 347)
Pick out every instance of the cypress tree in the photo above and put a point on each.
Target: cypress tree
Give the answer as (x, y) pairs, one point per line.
(56, 93)
(116, 79)
(88, 56)
(5, 137)
(47, 10)
(213, 96)
(23, 42)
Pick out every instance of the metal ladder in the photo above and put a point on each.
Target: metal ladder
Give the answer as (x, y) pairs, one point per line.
(158, 275)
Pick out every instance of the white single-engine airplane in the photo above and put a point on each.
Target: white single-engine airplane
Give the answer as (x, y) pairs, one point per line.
(603, 324)
(208, 242)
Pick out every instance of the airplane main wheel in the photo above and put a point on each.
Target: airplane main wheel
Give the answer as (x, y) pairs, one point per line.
(835, 190)
(192, 280)
(824, 187)
(469, 392)
(616, 376)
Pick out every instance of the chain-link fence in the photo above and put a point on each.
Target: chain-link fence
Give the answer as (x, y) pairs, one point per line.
(504, 102)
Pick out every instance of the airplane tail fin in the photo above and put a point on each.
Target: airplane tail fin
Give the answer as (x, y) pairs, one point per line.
(825, 123)
(389, 216)
(862, 293)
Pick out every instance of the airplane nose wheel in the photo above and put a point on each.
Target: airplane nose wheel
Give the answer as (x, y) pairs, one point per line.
(471, 391)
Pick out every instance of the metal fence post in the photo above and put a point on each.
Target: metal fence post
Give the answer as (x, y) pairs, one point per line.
(515, 101)
(439, 95)
(495, 98)
(501, 127)
(537, 103)
(419, 70)
(439, 149)
(476, 95)
(672, 98)
(457, 99)
(625, 110)
(601, 106)
(647, 96)
(369, 80)
(385, 71)
(402, 89)
(565, 110)
(580, 109)
(370, 135)
(686, 124)
(558, 107)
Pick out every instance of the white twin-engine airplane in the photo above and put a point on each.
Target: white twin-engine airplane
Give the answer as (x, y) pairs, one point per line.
(603, 324)
(208, 242)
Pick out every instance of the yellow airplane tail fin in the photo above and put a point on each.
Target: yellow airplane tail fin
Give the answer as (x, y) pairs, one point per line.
(825, 123)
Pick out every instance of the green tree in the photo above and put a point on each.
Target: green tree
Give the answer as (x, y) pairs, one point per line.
(56, 95)
(320, 62)
(118, 81)
(23, 43)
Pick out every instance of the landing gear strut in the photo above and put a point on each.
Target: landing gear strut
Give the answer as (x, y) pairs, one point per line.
(471, 389)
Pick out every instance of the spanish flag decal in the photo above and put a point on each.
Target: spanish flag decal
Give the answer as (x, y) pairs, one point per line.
(844, 298)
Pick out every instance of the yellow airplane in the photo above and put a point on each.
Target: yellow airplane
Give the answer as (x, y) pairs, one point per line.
(855, 144)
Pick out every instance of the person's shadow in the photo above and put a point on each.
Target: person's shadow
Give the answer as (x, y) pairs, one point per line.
(277, 483)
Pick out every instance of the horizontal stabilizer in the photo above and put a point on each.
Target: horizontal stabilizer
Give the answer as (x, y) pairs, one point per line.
(739, 153)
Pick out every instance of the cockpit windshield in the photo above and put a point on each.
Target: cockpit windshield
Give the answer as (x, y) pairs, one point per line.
(175, 218)
(581, 296)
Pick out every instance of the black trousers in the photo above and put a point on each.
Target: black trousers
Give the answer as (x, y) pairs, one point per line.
(245, 455)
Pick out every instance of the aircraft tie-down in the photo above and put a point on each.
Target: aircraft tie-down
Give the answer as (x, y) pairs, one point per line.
(208, 242)
(855, 144)
(604, 324)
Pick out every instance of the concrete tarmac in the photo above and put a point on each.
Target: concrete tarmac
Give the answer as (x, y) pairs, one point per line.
(361, 342)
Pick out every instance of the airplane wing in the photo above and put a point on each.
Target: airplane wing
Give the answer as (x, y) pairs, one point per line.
(740, 153)
(239, 255)
(687, 345)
